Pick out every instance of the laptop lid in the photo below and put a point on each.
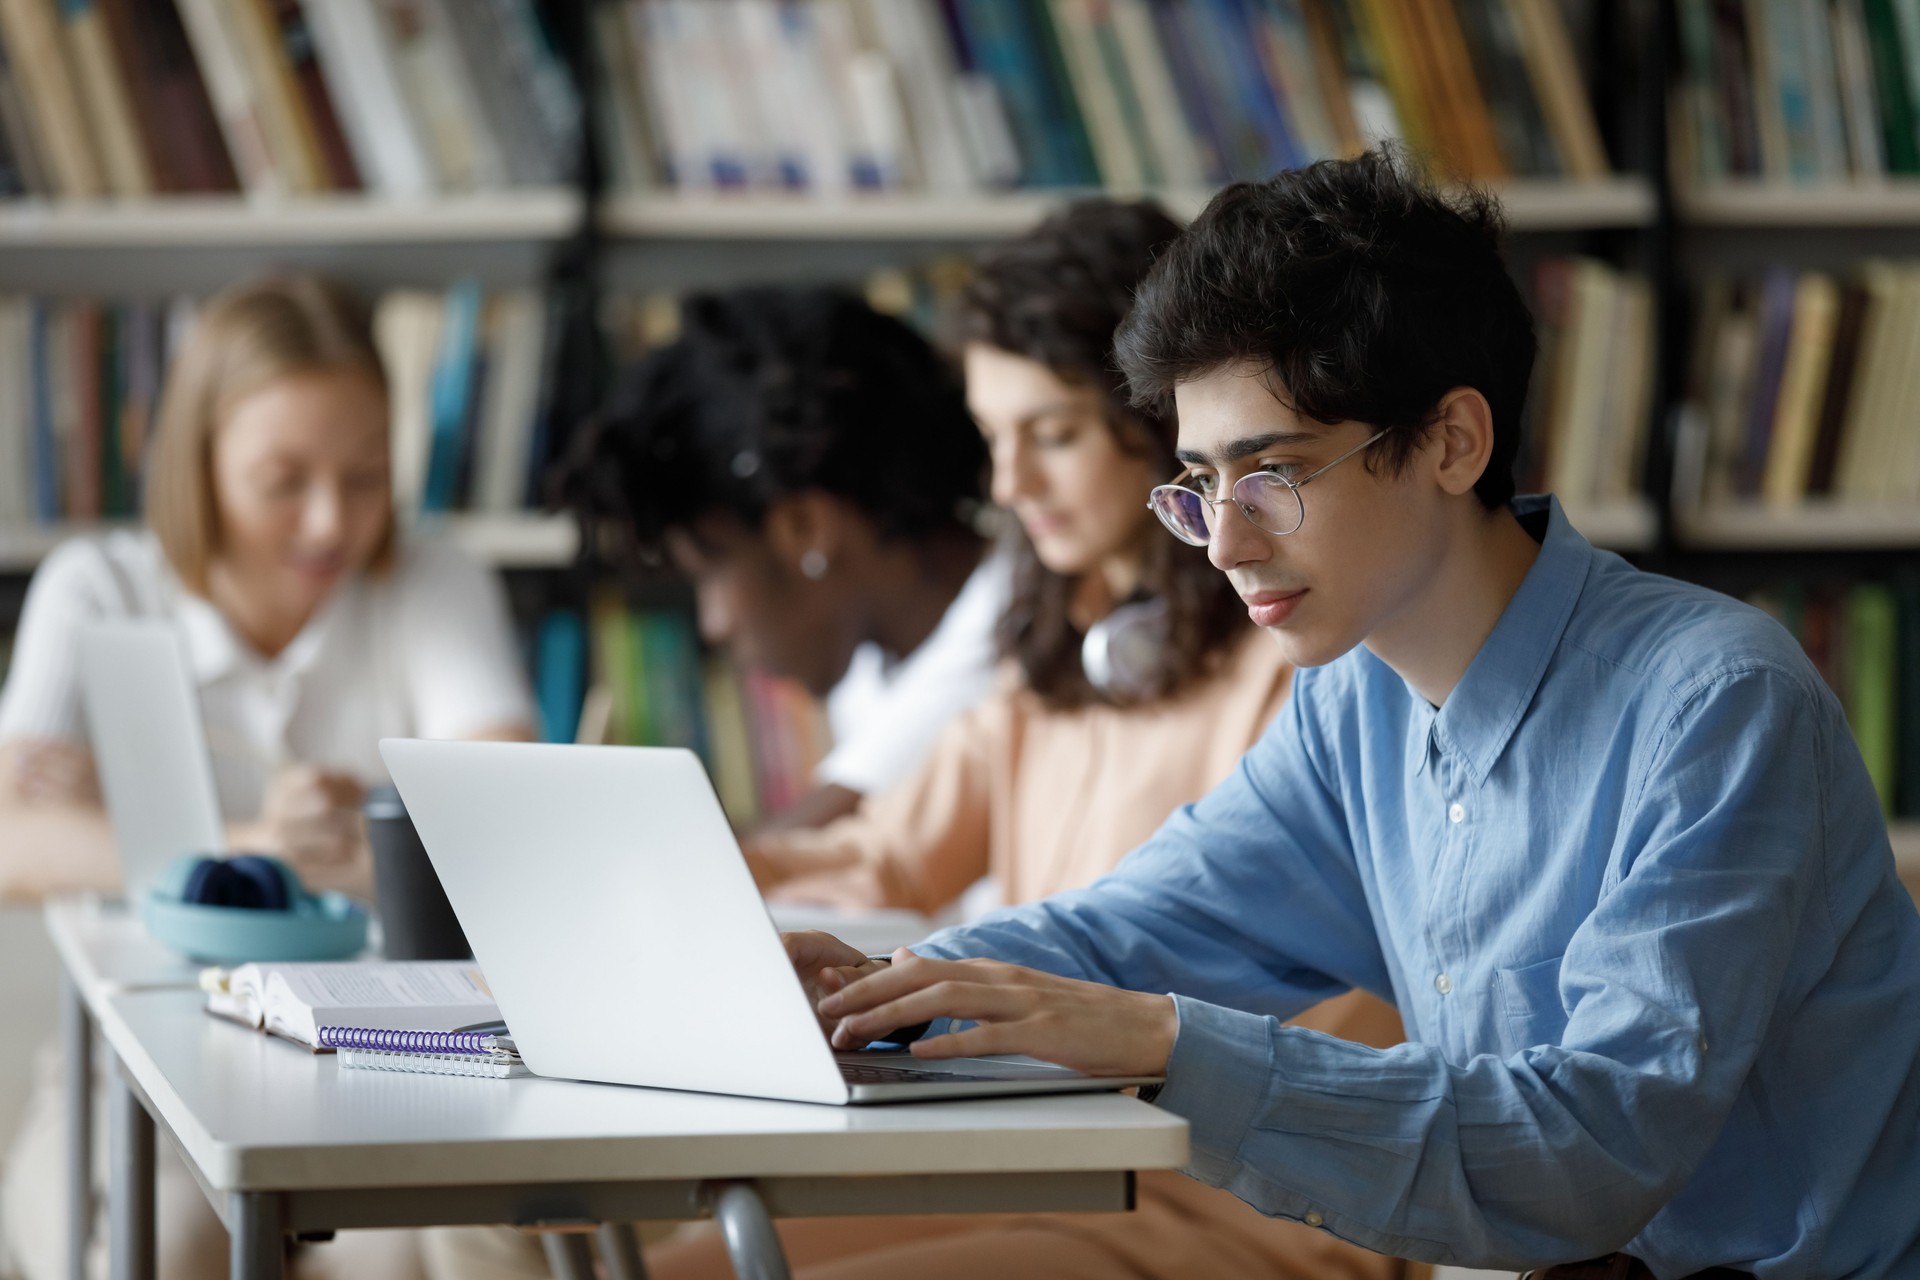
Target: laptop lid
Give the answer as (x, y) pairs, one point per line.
(617, 924)
(143, 722)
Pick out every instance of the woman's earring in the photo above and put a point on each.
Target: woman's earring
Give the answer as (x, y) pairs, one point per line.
(814, 564)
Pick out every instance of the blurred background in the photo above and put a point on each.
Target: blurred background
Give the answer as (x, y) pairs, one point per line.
(1713, 203)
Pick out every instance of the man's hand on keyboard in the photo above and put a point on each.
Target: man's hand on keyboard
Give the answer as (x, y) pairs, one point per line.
(825, 965)
(1097, 1029)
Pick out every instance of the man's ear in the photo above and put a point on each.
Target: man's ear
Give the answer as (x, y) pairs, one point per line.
(1462, 437)
(809, 528)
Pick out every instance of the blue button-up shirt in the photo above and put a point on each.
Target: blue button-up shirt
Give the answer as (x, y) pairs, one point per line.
(1631, 890)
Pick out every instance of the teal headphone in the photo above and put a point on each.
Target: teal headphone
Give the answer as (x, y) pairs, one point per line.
(249, 907)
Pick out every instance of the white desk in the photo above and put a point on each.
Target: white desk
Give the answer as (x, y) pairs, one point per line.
(286, 1142)
(102, 951)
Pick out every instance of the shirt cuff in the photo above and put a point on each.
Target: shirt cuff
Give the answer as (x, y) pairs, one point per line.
(1217, 1077)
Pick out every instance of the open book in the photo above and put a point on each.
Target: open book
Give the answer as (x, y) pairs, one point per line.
(296, 1000)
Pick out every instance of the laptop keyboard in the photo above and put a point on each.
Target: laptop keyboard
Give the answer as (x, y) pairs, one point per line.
(863, 1073)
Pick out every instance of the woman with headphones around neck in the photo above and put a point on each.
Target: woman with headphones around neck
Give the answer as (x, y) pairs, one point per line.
(311, 631)
(1133, 682)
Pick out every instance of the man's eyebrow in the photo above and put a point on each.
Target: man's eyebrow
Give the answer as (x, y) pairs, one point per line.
(1246, 447)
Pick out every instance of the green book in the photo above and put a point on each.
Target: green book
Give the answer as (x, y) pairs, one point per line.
(1893, 87)
(1871, 685)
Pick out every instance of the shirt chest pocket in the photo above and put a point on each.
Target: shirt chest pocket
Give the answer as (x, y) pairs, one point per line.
(1528, 1003)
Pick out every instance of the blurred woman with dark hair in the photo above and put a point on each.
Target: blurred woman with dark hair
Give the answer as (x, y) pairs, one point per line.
(1132, 681)
(808, 463)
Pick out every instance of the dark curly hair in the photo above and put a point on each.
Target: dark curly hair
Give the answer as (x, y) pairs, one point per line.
(769, 392)
(1367, 292)
(1055, 295)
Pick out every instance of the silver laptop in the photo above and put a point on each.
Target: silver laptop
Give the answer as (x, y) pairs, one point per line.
(143, 722)
(609, 906)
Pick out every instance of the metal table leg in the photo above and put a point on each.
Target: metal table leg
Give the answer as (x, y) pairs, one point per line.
(569, 1254)
(76, 1028)
(256, 1236)
(620, 1250)
(130, 1130)
(752, 1243)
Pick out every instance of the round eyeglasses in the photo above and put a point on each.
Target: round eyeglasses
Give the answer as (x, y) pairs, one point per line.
(1270, 502)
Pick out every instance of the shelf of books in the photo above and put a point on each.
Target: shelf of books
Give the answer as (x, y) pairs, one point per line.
(338, 219)
(1868, 203)
(1813, 96)
(1799, 427)
(528, 541)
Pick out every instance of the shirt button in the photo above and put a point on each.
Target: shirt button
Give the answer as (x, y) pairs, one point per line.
(1314, 1220)
(1443, 984)
(1458, 813)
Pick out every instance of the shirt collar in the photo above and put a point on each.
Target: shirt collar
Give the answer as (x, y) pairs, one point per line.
(215, 652)
(1481, 714)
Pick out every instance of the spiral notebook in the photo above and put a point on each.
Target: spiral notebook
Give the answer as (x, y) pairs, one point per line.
(484, 1049)
(433, 1064)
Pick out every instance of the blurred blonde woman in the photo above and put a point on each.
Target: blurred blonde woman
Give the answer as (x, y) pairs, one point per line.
(311, 631)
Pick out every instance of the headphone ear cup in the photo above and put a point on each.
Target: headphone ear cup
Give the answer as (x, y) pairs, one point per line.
(268, 882)
(201, 875)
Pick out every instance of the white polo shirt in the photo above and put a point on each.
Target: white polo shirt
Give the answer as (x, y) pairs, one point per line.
(426, 650)
(885, 715)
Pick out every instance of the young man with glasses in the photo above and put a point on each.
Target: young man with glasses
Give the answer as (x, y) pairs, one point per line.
(1603, 837)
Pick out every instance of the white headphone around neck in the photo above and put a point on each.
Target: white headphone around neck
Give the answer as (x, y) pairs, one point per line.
(1122, 649)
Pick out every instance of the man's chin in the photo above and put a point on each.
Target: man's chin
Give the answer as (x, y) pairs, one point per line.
(1307, 648)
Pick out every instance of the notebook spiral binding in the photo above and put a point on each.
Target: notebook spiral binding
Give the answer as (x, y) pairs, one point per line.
(479, 1043)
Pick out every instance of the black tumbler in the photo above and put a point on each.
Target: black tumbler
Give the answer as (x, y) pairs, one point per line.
(415, 916)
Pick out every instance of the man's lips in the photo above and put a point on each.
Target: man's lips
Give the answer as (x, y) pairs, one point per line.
(1271, 608)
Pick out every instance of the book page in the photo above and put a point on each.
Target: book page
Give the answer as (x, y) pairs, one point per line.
(411, 984)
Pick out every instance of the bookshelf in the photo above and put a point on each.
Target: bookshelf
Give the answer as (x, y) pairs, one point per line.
(229, 221)
(521, 541)
(1531, 205)
(551, 215)
(1906, 851)
(1890, 203)
(1814, 526)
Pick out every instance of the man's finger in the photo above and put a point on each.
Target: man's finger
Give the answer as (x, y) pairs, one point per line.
(908, 972)
(971, 1001)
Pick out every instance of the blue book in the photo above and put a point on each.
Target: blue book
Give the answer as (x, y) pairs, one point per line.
(1776, 330)
(1206, 118)
(1228, 29)
(450, 394)
(560, 674)
(1006, 48)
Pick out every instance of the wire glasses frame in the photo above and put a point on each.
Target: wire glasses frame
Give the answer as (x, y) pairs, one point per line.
(1271, 503)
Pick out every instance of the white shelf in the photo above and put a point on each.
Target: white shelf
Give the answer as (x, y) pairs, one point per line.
(1906, 849)
(1814, 526)
(234, 221)
(1531, 206)
(549, 214)
(1622, 526)
(1759, 204)
(513, 542)
(507, 542)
